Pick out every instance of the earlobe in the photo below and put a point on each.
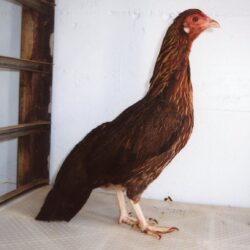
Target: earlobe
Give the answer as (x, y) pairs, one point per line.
(186, 29)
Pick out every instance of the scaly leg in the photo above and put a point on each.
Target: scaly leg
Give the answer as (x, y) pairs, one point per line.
(143, 225)
(124, 216)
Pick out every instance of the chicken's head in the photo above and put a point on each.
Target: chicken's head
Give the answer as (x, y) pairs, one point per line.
(194, 22)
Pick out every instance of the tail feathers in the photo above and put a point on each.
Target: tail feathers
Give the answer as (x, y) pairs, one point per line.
(58, 207)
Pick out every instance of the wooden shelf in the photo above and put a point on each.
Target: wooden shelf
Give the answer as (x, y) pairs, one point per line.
(41, 6)
(35, 66)
(22, 189)
(27, 65)
(23, 129)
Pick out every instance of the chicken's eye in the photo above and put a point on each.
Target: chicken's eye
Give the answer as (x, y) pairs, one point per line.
(195, 19)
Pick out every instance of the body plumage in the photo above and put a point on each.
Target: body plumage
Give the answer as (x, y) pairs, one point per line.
(132, 150)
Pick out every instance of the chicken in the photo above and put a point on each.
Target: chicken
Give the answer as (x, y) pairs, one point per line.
(128, 153)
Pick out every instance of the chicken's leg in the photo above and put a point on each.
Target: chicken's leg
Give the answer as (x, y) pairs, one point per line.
(143, 225)
(124, 216)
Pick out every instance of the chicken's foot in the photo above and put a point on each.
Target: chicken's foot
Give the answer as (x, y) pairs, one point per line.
(143, 225)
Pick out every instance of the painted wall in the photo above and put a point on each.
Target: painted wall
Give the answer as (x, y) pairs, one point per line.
(105, 52)
(10, 24)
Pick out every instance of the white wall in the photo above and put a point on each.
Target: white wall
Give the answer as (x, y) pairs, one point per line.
(10, 24)
(105, 52)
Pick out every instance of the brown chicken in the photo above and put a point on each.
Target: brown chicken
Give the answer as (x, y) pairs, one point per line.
(130, 152)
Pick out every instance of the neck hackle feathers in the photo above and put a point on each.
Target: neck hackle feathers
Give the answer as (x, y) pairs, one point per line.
(174, 53)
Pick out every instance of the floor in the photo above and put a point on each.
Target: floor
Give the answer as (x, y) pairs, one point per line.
(96, 227)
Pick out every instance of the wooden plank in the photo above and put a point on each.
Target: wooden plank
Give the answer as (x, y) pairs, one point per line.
(42, 6)
(23, 64)
(11, 132)
(33, 157)
(22, 189)
(33, 150)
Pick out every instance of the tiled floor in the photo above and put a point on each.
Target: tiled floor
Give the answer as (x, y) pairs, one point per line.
(96, 228)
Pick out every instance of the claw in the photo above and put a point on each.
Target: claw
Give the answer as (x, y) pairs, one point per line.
(152, 221)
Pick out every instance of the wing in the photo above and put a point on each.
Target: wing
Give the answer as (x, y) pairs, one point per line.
(141, 132)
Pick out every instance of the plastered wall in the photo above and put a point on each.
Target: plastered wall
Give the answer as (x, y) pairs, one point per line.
(10, 29)
(104, 55)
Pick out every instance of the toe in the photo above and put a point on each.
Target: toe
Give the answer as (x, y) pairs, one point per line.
(162, 230)
(131, 221)
(157, 235)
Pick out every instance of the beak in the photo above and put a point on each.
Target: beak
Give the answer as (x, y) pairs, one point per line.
(213, 24)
